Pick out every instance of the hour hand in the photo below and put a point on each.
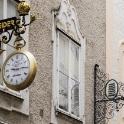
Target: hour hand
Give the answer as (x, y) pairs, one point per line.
(24, 67)
(16, 75)
(14, 69)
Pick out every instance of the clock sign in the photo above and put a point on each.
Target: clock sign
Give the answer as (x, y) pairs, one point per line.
(19, 70)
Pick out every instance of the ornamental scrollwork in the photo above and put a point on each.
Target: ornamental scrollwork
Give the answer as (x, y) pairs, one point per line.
(106, 104)
(15, 27)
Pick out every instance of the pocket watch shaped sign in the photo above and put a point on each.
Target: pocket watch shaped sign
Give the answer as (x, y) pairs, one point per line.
(19, 70)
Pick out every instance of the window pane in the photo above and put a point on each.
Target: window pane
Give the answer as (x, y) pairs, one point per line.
(63, 91)
(11, 9)
(75, 98)
(63, 53)
(1, 9)
(74, 61)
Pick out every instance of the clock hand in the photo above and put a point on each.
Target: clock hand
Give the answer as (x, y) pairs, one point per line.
(24, 67)
(18, 68)
(16, 75)
(14, 69)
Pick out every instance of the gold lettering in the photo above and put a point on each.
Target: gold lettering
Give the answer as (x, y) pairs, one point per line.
(12, 22)
(4, 25)
(0, 26)
(8, 23)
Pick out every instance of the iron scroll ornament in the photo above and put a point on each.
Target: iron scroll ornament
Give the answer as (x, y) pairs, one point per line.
(18, 26)
(105, 106)
(16, 30)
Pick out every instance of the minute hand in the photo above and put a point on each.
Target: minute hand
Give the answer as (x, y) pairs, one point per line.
(17, 75)
(23, 67)
(18, 68)
(15, 69)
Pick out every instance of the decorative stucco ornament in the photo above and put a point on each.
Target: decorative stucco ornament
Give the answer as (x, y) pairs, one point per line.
(67, 20)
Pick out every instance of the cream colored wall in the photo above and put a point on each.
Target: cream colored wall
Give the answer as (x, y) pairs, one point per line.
(115, 47)
(118, 118)
(114, 36)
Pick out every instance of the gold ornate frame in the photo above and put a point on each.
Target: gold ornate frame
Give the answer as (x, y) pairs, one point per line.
(31, 75)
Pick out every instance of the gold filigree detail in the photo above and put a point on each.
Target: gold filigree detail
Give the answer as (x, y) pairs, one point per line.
(23, 8)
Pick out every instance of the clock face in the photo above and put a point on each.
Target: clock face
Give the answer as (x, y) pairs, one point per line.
(19, 70)
(16, 69)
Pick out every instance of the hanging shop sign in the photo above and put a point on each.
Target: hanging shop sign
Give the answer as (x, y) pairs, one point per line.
(19, 68)
(7, 24)
(108, 96)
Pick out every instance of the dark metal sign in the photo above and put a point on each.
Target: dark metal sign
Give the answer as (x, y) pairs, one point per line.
(7, 24)
(111, 89)
(108, 96)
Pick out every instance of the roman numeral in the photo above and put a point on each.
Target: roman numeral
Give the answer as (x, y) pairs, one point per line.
(7, 70)
(11, 80)
(25, 73)
(8, 76)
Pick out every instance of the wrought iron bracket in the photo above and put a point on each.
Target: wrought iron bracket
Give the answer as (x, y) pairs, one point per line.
(18, 1)
(105, 104)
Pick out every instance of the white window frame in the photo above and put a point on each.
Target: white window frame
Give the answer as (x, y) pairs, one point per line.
(56, 79)
(65, 18)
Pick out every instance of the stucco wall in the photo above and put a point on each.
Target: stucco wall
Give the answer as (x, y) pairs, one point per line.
(115, 37)
(41, 46)
(92, 21)
(91, 15)
(115, 47)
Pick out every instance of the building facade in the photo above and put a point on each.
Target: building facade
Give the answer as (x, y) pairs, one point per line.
(67, 39)
(114, 47)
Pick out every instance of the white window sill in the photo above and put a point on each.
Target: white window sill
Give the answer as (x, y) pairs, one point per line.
(9, 92)
(58, 110)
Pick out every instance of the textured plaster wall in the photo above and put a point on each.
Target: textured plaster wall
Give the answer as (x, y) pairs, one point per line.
(115, 37)
(91, 15)
(92, 19)
(41, 46)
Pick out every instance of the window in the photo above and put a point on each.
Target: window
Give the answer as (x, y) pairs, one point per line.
(68, 74)
(68, 64)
